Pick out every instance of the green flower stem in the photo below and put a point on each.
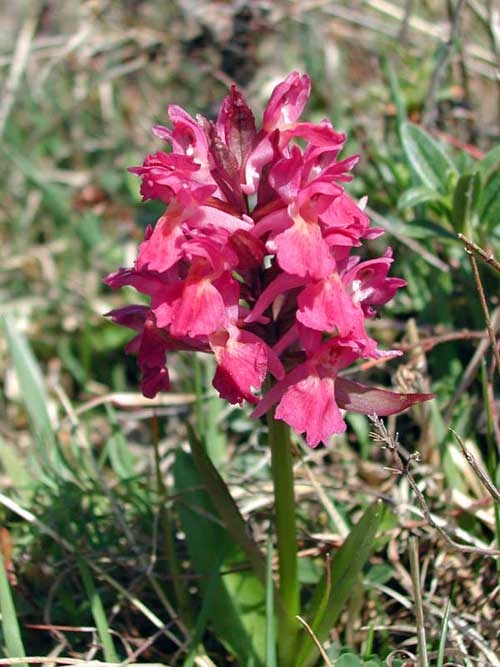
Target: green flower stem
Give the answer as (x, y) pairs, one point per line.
(284, 502)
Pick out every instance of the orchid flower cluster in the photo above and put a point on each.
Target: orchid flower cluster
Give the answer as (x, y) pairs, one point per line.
(253, 262)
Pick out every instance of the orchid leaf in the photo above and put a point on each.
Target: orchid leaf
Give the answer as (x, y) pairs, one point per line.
(344, 570)
(226, 506)
(233, 604)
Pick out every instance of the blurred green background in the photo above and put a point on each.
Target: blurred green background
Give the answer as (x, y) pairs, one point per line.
(82, 83)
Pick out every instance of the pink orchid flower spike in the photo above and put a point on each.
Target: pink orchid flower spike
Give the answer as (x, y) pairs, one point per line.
(256, 260)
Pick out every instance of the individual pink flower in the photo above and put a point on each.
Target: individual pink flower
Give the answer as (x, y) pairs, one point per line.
(243, 360)
(369, 284)
(254, 261)
(149, 347)
(287, 102)
(309, 405)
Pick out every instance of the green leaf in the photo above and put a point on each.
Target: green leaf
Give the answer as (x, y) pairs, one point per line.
(225, 506)
(465, 203)
(379, 574)
(421, 228)
(344, 570)
(120, 455)
(10, 626)
(426, 157)
(98, 614)
(30, 382)
(417, 195)
(50, 460)
(396, 92)
(490, 162)
(348, 660)
(310, 571)
(489, 207)
(233, 604)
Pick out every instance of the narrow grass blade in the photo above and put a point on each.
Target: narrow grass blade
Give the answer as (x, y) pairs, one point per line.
(10, 626)
(120, 455)
(30, 382)
(51, 460)
(98, 614)
(344, 570)
(423, 658)
(396, 92)
(123, 592)
(442, 635)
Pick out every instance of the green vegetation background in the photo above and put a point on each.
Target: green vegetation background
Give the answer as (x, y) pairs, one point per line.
(109, 540)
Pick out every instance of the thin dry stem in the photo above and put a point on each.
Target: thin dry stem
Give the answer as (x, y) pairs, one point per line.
(311, 634)
(473, 366)
(419, 608)
(483, 476)
(488, 258)
(431, 106)
(484, 306)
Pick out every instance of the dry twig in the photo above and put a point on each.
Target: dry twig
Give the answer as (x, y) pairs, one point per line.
(402, 467)
(483, 476)
(311, 634)
(484, 306)
(473, 366)
(487, 257)
(430, 110)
